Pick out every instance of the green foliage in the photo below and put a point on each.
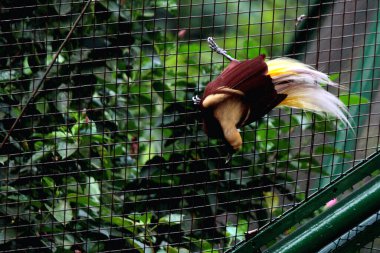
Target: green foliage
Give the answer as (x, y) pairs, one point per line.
(111, 155)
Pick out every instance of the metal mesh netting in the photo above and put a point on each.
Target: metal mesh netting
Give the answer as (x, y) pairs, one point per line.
(104, 150)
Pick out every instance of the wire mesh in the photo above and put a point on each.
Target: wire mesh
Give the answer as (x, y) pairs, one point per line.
(108, 153)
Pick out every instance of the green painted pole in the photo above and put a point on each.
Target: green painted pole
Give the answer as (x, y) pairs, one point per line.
(359, 241)
(325, 228)
(357, 237)
(306, 208)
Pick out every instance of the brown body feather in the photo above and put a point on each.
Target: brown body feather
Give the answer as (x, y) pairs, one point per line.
(241, 94)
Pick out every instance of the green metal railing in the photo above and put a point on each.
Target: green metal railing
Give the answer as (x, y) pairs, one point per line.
(329, 225)
(325, 227)
(357, 237)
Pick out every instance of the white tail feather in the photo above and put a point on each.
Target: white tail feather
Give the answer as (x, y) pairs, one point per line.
(302, 85)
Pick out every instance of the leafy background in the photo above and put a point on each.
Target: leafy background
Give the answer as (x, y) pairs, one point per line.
(111, 155)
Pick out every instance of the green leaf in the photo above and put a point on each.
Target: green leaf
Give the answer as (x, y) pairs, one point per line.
(26, 68)
(7, 188)
(3, 158)
(8, 75)
(271, 200)
(144, 218)
(164, 91)
(8, 234)
(120, 222)
(61, 211)
(329, 149)
(169, 5)
(237, 232)
(92, 189)
(49, 244)
(56, 135)
(141, 247)
(305, 161)
(266, 134)
(48, 182)
(115, 9)
(42, 106)
(66, 149)
(37, 156)
(14, 194)
(166, 248)
(63, 99)
(82, 200)
(171, 219)
(66, 242)
(202, 244)
(95, 162)
(19, 198)
(352, 99)
(62, 6)
(334, 76)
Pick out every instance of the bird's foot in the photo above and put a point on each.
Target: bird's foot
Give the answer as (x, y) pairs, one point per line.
(196, 100)
(218, 49)
(228, 158)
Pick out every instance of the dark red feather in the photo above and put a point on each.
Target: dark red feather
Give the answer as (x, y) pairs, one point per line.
(249, 77)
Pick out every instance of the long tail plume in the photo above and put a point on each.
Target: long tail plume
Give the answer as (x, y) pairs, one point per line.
(301, 83)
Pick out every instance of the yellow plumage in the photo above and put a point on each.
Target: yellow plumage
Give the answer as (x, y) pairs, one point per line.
(302, 85)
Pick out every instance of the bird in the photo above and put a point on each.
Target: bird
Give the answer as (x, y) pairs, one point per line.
(245, 91)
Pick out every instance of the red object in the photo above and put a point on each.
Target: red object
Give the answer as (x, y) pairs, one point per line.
(249, 78)
(134, 148)
(182, 33)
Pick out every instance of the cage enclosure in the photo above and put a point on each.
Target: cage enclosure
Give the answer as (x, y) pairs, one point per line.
(103, 150)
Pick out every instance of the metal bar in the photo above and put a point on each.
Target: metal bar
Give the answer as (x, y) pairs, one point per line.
(324, 228)
(305, 209)
(357, 237)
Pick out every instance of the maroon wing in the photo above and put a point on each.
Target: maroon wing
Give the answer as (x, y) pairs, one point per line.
(251, 78)
(236, 74)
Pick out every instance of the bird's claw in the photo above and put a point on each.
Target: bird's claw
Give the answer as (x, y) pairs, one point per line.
(300, 19)
(212, 44)
(228, 158)
(196, 100)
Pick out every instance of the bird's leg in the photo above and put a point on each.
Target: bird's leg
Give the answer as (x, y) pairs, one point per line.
(218, 49)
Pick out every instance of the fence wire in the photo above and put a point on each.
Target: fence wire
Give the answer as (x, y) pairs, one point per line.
(104, 150)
